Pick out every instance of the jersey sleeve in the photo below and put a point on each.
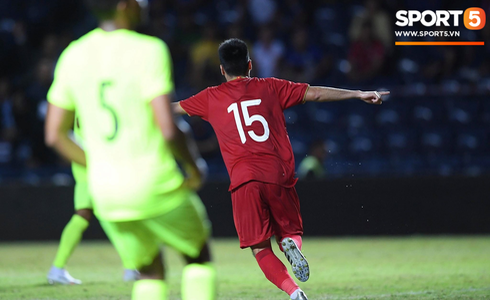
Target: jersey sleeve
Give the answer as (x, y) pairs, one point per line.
(59, 93)
(197, 105)
(289, 93)
(157, 74)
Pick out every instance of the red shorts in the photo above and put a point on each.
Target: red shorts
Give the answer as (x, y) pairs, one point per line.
(261, 210)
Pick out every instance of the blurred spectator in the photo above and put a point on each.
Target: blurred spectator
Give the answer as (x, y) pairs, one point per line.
(7, 47)
(8, 129)
(187, 5)
(311, 167)
(40, 17)
(283, 43)
(293, 14)
(484, 69)
(262, 11)
(36, 99)
(159, 28)
(440, 62)
(267, 53)
(50, 47)
(381, 24)
(187, 32)
(425, 5)
(231, 11)
(304, 61)
(235, 30)
(472, 58)
(23, 58)
(22, 113)
(19, 33)
(366, 55)
(205, 60)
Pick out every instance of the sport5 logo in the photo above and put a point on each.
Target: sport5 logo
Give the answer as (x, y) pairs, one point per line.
(474, 18)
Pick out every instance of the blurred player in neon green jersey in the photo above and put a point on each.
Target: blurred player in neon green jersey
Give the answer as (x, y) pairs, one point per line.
(120, 84)
(77, 225)
(73, 231)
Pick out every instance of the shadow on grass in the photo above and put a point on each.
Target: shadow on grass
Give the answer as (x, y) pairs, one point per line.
(23, 288)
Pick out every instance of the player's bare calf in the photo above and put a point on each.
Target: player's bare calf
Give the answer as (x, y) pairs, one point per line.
(298, 262)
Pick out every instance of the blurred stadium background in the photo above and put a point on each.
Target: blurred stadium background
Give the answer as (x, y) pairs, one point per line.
(435, 123)
(418, 164)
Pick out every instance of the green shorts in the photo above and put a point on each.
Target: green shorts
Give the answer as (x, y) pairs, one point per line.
(185, 228)
(81, 196)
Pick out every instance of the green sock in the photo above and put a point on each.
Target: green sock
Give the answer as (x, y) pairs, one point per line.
(199, 282)
(149, 289)
(111, 233)
(71, 236)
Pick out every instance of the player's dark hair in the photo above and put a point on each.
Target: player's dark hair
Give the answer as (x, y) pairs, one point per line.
(233, 55)
(103, 9)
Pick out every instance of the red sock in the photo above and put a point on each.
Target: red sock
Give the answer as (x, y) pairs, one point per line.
(296, 238)
(275, 271)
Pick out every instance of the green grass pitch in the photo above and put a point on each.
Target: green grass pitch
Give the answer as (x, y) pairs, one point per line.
(341, 268)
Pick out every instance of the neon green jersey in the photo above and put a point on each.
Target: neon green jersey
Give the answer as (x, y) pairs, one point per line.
(109, 79)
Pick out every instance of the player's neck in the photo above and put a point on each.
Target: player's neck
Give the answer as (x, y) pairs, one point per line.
(115, 24)
(231, 78)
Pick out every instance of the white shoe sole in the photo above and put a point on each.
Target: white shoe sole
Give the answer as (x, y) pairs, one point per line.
(301, 296)
(131, 275)
(298, 262)
(56, 281)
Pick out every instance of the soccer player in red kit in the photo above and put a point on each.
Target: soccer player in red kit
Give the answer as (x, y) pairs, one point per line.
(247, 116)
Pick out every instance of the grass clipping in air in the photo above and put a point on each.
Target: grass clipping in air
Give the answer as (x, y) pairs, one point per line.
(341, 268)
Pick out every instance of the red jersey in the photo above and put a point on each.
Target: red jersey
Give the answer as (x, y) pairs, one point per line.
(247, 117)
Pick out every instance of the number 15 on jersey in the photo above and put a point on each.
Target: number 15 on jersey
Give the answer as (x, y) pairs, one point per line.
(249, 120)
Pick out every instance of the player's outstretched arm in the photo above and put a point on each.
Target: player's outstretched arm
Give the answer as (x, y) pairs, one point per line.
(326, 94)
(193, 149)
(58, 124)
(177, 109)
(176, 139)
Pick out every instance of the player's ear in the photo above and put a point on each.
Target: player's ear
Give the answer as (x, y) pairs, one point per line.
(222, 70)
(249, 65)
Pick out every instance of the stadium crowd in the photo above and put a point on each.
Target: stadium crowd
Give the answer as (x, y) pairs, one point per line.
(437, 121)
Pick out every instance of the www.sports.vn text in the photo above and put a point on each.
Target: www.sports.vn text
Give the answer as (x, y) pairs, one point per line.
(431, 33)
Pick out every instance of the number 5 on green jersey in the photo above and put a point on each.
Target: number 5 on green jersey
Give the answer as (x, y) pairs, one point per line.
(111, 110)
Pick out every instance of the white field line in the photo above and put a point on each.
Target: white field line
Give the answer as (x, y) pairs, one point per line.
(381, 296)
